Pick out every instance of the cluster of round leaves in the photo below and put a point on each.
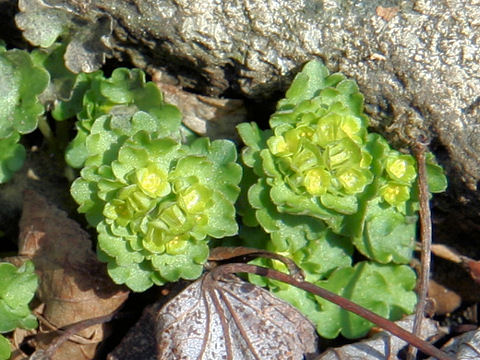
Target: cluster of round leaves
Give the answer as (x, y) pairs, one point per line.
(21, 82)
(155, 201)
(320, 186)
(17, 289)
(122, 95)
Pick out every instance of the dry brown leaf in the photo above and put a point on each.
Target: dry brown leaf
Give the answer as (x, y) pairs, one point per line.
(207, 116)
(446, 253)
(380, 346)
(445, 301)
(464, 347)
(74, 285)
(224, 317)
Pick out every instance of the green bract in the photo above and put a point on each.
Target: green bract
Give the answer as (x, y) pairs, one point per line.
(17, 289)
(154, 201)
(321, 185)
(20, 84)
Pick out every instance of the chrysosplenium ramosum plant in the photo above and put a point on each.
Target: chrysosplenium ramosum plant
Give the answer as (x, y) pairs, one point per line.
(17, 287)
(154, 201)
(321, 185)
(22, 83)
(122, 95)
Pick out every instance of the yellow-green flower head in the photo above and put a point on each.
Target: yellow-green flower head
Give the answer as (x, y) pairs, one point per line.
(158, 200)
(324, 153)
(153, 181)
(401, 168)
(395, 194)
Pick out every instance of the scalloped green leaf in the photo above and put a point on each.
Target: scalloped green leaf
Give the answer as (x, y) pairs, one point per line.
(41, 25)
(17, 289)
(72, 105)
(119, 87)
(306, 84)
(18, 285)
(12, 157)
(437, 181)
(20, 84)
(137, 277)
(5, 348)
(384, 289)
(386, 234)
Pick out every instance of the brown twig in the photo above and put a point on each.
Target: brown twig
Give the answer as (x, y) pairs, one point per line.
(346, 304)
(426, 242)
(68, 332)
(223, 253)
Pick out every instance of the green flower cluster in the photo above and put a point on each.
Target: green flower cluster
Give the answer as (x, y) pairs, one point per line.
(154, 201)
(21, 84)
(321, 186)
(17, 289)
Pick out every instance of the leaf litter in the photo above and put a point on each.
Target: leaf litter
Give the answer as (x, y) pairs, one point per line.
(223, 317)
(73, 285)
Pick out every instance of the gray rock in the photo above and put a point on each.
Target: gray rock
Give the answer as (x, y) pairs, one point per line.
(417, 62)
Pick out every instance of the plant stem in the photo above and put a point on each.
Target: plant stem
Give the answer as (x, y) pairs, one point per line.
(426, 242)
(346, 304)
(68, 332)
(45, 129)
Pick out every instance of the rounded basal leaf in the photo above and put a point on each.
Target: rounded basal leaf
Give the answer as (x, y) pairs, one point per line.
(76, 152)
(137, 277)
(387, 235)
(224, 225)
(118, 88)
(12, 156)
(169, 117)
(21, 82)
(255, 139)
(41, 24)
(306, 84)
(17, 289)
(186, 264)
(71, 105)
(390, 236)
(18, 284)
(385, 289)
(10, 93)
(324, 255)
(116, 247)
(84, 193)
(437, 181)
(5, 351)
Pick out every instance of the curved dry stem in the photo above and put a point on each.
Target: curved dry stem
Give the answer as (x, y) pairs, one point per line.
(344, 303)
